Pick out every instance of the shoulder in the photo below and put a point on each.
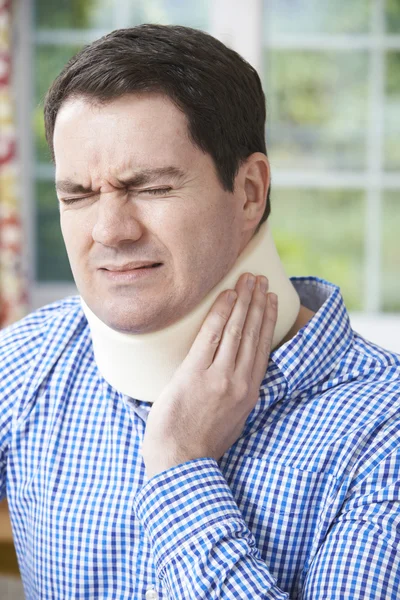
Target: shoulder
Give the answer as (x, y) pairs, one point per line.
(22, 341)
(38, 323)
(372, 362)
(366, 384)
(369, 349)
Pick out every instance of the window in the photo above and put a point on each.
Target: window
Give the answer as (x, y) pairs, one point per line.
(331, 74)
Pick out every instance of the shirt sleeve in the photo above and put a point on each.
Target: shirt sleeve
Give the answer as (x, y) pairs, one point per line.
(203, 548)
(201, 545)
(5, 426)
(12, 368)
(20, 345)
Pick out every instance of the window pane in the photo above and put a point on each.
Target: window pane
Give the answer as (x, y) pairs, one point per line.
(392, 16)
(49, 60)
(391, 252)
(316, 109)
(392, 112)
(190, 13)
(51, 257)
(73, 14)
(317, 16)
(105, 14)
(321, 232)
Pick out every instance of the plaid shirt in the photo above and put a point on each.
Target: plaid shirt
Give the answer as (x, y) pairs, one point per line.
(304, 505)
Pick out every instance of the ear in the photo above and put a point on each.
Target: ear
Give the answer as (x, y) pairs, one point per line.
(255, 178)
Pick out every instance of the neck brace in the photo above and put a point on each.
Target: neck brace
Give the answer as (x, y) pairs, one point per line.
(141, 365)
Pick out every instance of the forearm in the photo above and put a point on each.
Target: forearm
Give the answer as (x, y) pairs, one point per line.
(201, 545)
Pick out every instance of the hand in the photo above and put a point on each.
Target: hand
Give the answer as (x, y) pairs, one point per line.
(203, 409)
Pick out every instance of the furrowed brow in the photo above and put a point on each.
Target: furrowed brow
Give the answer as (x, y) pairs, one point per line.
(150, 175)
(68, 186)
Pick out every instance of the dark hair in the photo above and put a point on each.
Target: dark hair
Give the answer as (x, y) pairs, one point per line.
(219, 92)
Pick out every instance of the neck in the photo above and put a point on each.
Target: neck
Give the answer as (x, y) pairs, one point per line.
(305, 314)
(141, 365)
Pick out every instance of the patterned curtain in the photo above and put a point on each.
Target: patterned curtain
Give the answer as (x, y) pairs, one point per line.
(13, 288)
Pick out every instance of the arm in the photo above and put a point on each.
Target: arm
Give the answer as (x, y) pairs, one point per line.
(5, 421)
(11, 369)
(203, 549)
(20, 345)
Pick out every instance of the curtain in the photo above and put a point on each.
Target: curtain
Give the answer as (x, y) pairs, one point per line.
(13, 289)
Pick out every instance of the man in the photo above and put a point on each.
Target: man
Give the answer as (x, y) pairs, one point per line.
(246, 473)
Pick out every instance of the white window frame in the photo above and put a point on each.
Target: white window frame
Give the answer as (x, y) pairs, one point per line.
(240, 25)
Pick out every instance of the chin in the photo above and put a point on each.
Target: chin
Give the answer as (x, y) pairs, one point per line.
(130, 314)
(126, 325)
(132, 323)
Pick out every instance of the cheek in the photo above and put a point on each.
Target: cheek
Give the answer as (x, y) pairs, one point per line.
(206, 234)
(65, 230)
(75, 232)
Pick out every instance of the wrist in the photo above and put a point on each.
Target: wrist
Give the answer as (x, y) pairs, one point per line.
(157, 462)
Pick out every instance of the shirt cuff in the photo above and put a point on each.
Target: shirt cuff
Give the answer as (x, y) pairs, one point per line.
(182, 501)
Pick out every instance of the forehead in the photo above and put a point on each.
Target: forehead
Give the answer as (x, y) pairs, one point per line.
(133, 129)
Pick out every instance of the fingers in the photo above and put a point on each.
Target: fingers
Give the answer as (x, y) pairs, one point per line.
(243, 327)
(239, 337)
(204, 347)
(265, 343)
(252, 332)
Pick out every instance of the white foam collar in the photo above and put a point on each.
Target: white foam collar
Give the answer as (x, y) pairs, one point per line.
(141, 365)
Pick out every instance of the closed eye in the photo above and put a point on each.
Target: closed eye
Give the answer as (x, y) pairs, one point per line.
(71, 200)
(152, 192)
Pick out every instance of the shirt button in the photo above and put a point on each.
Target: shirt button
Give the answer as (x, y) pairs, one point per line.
(151, 593)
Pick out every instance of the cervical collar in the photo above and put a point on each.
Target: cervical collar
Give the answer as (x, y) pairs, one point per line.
(141, 365)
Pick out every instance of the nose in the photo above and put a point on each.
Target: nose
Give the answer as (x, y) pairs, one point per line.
(115, 221)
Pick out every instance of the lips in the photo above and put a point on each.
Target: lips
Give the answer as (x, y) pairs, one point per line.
(129, 267)
(148, 266)
(131, 275)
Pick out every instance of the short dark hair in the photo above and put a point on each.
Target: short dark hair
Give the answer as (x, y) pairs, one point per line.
(219, 92)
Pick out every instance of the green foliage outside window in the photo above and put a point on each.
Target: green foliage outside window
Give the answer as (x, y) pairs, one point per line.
(317, 16)
(321, 233)
(317, 106)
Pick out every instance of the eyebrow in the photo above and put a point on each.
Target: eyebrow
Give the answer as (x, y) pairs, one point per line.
(143, 177)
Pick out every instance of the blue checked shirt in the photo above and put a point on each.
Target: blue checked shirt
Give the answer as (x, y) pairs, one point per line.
(304, 505)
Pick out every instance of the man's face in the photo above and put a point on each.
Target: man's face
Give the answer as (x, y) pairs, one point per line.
(129, 213)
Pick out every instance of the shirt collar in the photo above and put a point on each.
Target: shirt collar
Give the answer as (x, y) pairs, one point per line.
(309, 356)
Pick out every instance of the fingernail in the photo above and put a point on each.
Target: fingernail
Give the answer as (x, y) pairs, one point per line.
(231, 298)
(273, 298)
(251, 281)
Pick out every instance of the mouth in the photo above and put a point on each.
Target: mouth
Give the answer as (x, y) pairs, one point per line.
(126, 270)
(148, 267)
(131, 275)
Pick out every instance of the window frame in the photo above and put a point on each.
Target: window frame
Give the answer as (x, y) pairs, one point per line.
(239, 25)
